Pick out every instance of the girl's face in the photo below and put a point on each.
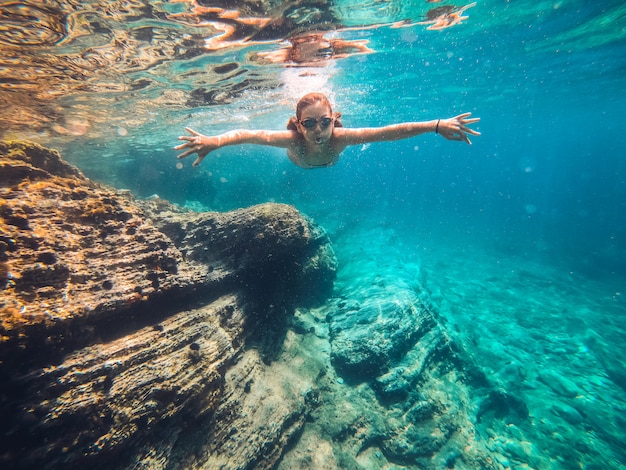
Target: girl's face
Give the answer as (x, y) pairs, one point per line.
(316, 123)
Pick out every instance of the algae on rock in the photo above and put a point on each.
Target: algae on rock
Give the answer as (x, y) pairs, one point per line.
(122, 323)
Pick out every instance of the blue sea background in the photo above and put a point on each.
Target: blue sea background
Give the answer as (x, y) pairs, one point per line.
(547, 176)
(520, 238)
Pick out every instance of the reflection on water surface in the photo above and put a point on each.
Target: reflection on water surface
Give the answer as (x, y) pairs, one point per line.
(67, 66)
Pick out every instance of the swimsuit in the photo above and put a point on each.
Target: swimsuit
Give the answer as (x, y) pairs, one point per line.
(302, 163)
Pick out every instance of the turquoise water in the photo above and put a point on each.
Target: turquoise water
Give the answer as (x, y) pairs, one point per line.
(520, 238)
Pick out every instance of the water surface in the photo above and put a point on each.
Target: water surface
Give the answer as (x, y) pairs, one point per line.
(521, 237)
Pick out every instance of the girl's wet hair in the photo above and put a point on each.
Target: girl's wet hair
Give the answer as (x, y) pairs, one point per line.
(308, 100)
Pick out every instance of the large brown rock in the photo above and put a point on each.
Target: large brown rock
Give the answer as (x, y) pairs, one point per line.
(123, 323)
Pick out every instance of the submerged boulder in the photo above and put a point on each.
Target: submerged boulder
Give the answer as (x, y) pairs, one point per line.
(367, 338)
(405, 388)
(123, 324)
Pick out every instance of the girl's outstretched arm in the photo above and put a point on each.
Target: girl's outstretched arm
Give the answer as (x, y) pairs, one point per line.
(203, 144)
(455, 128)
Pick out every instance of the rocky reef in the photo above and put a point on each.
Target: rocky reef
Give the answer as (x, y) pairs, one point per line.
(136, 334)
(127, 324)
(400, 392)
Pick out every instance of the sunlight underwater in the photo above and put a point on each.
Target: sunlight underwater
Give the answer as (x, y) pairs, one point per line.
(422, 304)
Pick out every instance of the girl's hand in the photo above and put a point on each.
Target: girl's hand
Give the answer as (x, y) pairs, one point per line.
(197, 143)
(456, 128)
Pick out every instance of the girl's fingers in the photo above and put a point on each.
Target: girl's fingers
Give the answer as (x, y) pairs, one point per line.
(191, 144)
(460, 136)
(470, 121)
(462, 116)
(469, 131)
(186, 154)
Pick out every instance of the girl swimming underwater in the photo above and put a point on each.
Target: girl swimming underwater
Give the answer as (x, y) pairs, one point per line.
(315, 137)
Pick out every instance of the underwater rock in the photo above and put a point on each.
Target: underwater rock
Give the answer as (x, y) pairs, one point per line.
(366, 341)
(76, 252)
(397, 384)
(559, 384)
(502, 405)
(402, 393)
(124, 324)
(380, 317)
(568, 413)
(273, 248)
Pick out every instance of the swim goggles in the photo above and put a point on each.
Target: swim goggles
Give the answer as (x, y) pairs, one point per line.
(310, 123)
